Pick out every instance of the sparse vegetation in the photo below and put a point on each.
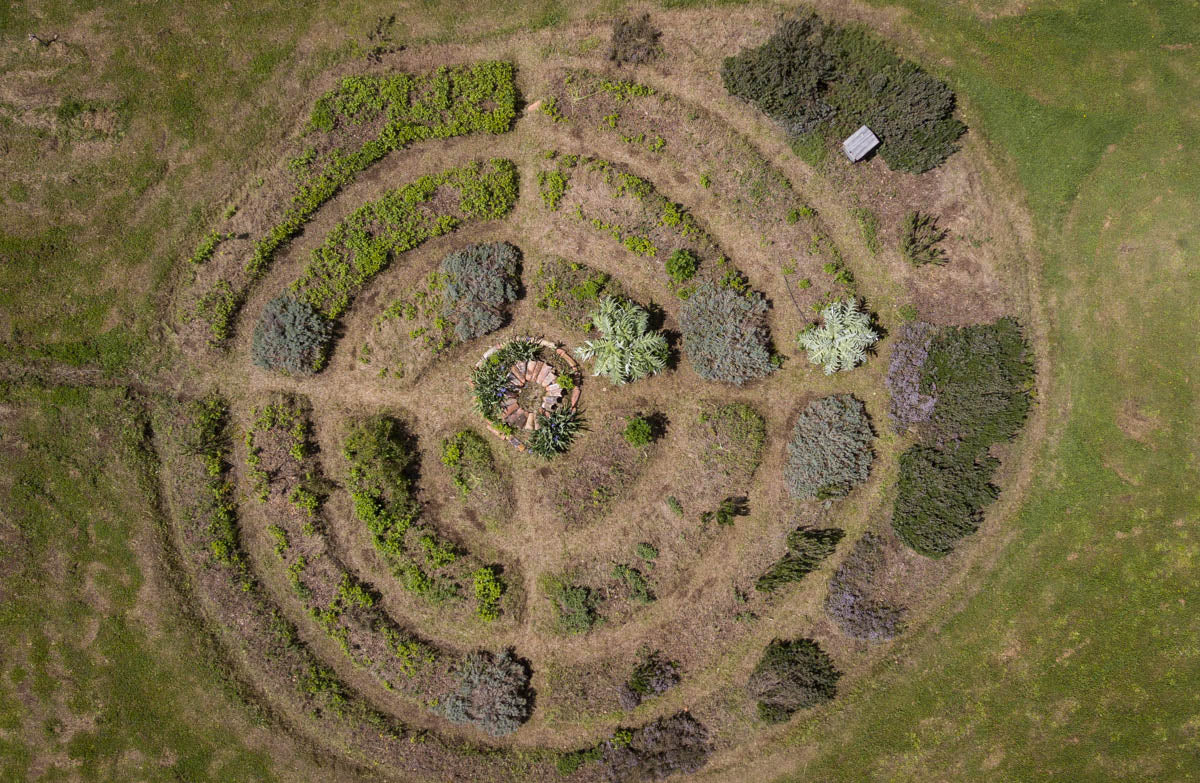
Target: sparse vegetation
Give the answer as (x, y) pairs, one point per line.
(573, 606)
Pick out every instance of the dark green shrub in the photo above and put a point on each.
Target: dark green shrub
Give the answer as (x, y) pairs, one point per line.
(290, 337)
(574, 606)
(482, 280)
(638, 431)
(726, 512)
(492, 693)
(654, 675)
(682, 266)
(725, 334)
(634, 41)
(675, 744)
(982, 376)
(919, 238)
(849, 602)
(791, 676)
(806, 549)
(940, 497)
(830, 450)
(814, 77)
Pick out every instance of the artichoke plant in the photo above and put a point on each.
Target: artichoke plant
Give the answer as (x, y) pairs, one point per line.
(627, 348)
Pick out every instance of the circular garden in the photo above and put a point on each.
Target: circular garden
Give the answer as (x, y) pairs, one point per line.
(435, 555)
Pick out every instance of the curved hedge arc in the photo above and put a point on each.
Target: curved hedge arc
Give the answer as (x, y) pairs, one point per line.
(401, 109)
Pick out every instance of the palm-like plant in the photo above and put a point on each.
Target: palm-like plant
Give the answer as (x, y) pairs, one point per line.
(627, 348)
(840, 343)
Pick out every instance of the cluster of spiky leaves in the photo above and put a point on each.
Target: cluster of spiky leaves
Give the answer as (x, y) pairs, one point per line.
(481, 280)
(290, 337)
(791, 676)
(490, 380)
(815, 77)
(627, 349)
(555, 432)
(492, 693)
(830, 450)
(807, 548)
(725, 334)
(909, 406)
(919, 238)
(841, 342)
(850, 603)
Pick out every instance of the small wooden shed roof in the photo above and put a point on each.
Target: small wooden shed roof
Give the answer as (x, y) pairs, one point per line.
(860, 143)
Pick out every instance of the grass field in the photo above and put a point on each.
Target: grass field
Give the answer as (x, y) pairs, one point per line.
(1073, 656)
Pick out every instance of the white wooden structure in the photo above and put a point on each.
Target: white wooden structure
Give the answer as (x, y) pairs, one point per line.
(861, 142)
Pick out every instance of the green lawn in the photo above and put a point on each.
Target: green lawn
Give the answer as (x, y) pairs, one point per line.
(101, 678)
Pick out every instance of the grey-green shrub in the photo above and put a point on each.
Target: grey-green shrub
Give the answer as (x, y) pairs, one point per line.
(290, 337)
(481, 281)
(725, 334)
(830, 450)
(492, 693)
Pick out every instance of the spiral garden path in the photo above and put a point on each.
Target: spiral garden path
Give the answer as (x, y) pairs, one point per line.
(351, 557)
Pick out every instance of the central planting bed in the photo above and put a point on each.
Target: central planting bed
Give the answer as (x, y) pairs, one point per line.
(799, 408)
(531, 385)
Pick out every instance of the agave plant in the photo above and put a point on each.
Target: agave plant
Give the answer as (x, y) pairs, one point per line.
(627, 348)
(555, 432)
(840, 343)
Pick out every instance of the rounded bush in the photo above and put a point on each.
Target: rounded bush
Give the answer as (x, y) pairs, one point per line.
(830, 451)
(291, 337)
(492, 693)
(725, 334)
(481, 281)
(790, 676)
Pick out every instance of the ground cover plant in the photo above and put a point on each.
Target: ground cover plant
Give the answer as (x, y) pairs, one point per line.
(492, 693)
(816, 77)
(851, 600)
(480, 281)
(982, 377)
